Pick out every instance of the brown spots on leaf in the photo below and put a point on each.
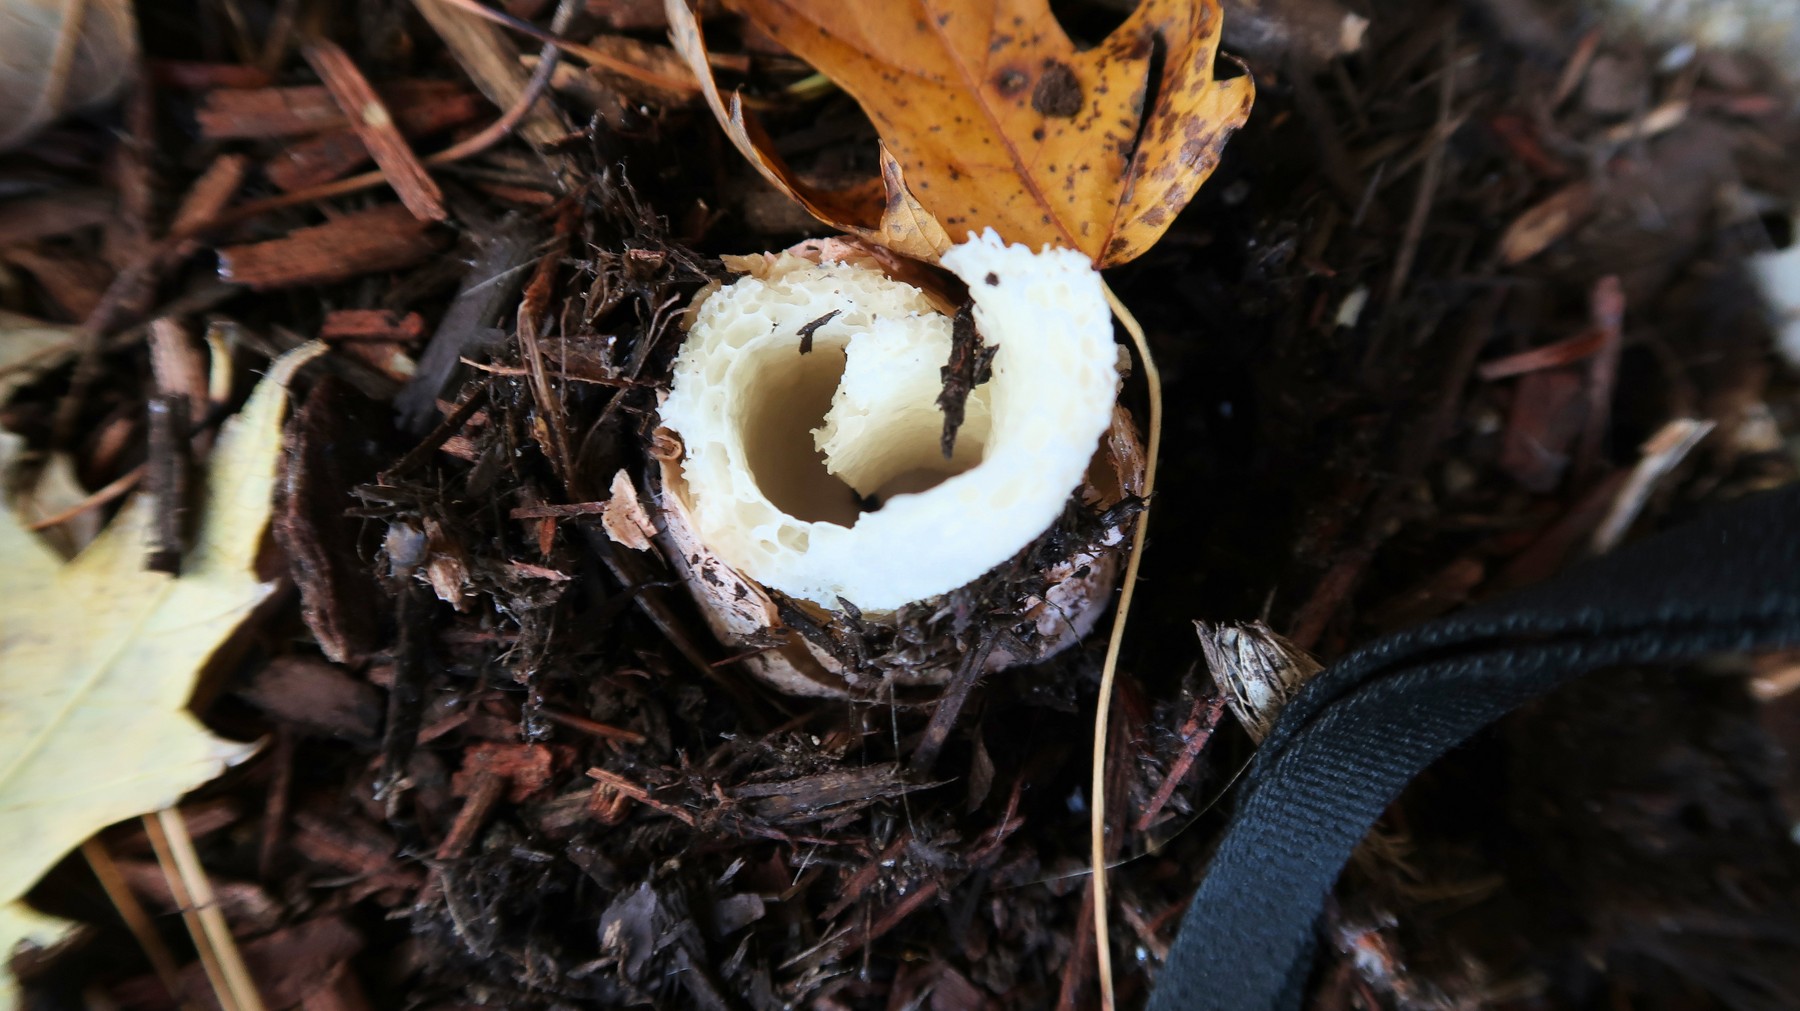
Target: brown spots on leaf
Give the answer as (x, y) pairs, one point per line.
(1201, 150)
(1058, 91)
(1137, 47)
(1097, 148)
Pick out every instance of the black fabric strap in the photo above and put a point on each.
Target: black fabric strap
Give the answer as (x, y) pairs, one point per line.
(1347, 745)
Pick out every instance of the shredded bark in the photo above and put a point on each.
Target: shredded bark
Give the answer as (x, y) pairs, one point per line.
(1416, 333)
(971, 364)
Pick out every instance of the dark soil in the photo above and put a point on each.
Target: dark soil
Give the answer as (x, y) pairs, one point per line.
(506, 764)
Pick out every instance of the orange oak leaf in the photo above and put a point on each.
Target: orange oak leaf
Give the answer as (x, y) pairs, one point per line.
(997, 120)
(886, 213)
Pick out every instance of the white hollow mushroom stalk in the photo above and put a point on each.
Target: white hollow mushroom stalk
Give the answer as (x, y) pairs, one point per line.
(821, 474)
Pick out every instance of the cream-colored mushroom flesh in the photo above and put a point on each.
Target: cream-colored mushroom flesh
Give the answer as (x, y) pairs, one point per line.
(822, 475)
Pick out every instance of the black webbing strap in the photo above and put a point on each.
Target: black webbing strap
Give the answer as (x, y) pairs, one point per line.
(1347, 745)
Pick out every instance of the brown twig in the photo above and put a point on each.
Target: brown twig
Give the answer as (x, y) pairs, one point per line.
(532, 308)
(374, 125)
(593, 727)
(490, 135)
(1194, 734)
(156, 831)
(1075, 970)
(486, 792)
(120, 485)
(640, 794)
(1563, 352)
(1608, 309)
(137, 920)
(605, 61)
(950, 704)
(1424, 196)
(167, 480)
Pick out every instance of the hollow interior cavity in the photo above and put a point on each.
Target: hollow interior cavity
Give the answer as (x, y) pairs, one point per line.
(787, 401)
(822, 455)
(821, 475)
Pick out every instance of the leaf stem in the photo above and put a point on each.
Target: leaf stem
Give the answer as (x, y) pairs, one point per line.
(137, 920)
(1109, 670)
(169, 824)
(190, 912)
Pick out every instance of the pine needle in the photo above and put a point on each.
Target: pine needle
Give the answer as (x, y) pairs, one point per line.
(137, 920)
(218, 949)
(190, 913)
(1109, 670)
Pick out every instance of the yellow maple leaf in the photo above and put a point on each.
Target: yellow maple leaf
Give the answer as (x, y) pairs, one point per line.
(995, 119)
(98, 658)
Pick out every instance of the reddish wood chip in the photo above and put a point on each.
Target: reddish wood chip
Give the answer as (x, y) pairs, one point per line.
(1545, 420)
(382, 238)
(40, 217)
(192, 75)
(316, 695)
(374, 125)
(207, 198)
(262, 113)
(289, 966)
(372, 325)
(73, 281)
(1543, 224)
(332, 154)
(1563, 352)
(527, 768)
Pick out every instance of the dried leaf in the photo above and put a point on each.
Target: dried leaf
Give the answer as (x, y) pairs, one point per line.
(29, 348)
(624, 518)
(49, 488)
(99, 656)
(60, 55)
(901, 222)
(997, 120)
(1259, 671)
(1546, 222)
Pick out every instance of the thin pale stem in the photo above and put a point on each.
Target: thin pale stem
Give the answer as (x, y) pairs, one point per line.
(1109, 670)
(137, 920)
(190, 913)
(217, 932)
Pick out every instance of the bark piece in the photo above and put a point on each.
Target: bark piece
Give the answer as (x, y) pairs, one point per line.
(316, 695)
(374, 125)
(271, 113)
(382, 238)
(332, 448)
